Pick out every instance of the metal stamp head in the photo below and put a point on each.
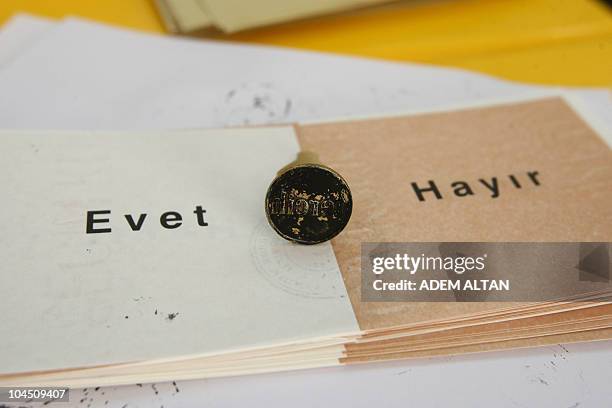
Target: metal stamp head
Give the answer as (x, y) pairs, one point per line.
(308, 204)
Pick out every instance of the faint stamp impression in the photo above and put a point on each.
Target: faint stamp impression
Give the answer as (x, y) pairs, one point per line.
(305, 271)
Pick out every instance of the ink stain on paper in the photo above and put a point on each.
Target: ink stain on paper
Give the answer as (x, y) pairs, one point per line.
(172, 316)
(253, 103)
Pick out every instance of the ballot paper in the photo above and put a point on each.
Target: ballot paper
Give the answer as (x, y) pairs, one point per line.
(480, 174)
(83, 75)
(132, 246)
(150, 259)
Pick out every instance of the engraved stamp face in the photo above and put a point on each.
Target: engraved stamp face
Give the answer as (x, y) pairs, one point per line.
(309, 204)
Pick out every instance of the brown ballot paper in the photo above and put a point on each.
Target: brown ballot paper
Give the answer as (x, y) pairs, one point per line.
(530, 171)
(238, 299)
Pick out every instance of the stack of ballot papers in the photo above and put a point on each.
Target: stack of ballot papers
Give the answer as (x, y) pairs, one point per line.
(136, 247)
(185, 16)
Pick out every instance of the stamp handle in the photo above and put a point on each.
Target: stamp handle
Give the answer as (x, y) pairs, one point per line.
(303, 157)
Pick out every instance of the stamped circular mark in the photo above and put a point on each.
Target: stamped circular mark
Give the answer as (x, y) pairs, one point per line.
(305, 271)
(308, 204)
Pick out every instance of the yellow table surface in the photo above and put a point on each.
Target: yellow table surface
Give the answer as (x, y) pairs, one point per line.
(545, 41)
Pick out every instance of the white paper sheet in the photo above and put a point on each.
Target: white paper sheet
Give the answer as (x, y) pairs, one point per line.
(89, 76)
(19, 33)
(135, 293)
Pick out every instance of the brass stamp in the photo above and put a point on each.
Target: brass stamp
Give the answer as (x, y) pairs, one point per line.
(308, 202)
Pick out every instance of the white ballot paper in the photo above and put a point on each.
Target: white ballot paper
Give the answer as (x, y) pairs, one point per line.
(122, 247)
